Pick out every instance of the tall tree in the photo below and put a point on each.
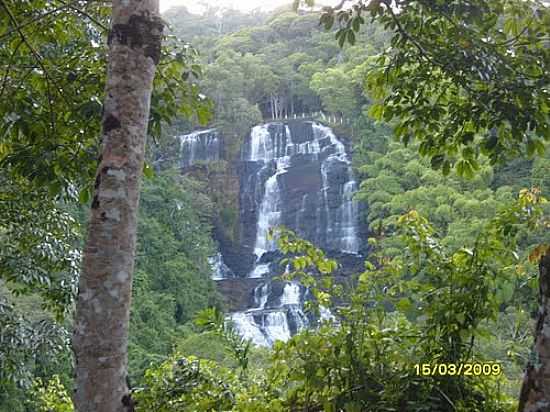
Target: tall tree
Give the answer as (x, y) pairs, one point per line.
(101, 327)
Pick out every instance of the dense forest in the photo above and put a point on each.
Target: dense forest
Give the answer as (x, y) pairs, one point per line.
(443, 110)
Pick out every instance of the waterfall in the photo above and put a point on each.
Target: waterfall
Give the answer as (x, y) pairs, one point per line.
(326, 315)
(349, 213)
(261, 293)
(336, 227)
(298, 175)
(291, 294)
(220, 270)
(248, 328)
(203, 145)
(266, 148)
(265, 324)
(269, 216)
(260, 270)
(341, 224)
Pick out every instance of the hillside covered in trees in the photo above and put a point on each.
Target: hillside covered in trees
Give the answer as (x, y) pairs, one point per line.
(342, 209)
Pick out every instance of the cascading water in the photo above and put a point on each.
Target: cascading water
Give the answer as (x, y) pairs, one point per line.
(261, 294)
(203, 145)
(300, 179)
(295, 174)
(348, 225)
(268, 150)
(291, 294)
(271, 321)
(220, 270)
(342, 222)
(269, 216)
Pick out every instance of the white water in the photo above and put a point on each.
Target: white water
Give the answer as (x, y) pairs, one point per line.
(192, 143)
(248, 329)
(291, 294)
(348, 225)
(262, 148)
(276, 327)
(345, 228)
(264, 325)
(271, 326)
(259, 271)
(261, 144)
(340, 230)
(325, 314)
(269, 216)
(270, 318)
(261, 294)
(220, 270)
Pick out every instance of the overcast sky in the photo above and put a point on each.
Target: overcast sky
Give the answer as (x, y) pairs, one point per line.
(244, 5)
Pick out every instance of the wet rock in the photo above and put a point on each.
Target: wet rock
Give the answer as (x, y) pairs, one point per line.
(297, 174)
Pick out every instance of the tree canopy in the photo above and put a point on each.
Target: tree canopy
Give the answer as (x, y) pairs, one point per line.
(462, 78)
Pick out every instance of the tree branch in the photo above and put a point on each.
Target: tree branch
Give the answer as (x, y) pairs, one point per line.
(5, 79)
(406, 34)
(86, 14)
(36, 55)
(31, 21)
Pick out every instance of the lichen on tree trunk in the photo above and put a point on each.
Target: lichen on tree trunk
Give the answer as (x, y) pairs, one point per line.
(100, 336)
(535, 391)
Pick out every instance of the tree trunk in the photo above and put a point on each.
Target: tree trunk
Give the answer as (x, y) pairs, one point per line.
(535, 391)
(100, 338)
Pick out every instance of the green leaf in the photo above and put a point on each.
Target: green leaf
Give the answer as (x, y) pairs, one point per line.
(511, 26)
(148, 171)
(376, 111)
(356, 23)
(351, 37)
(404, 305)
(203, 114)
(446, 169)
(341, 38)
(84, 196)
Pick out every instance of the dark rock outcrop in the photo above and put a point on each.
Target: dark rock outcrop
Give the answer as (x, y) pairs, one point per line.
(297, 174)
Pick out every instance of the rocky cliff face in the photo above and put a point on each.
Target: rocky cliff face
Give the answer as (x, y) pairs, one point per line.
(297, 174)
(201, 156)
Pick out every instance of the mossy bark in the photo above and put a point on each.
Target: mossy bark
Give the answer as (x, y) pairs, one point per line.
(100, 337)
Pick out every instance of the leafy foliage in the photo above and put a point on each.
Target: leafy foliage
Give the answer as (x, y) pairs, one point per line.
(212, 319)
(462, 78)
(180, 384)
(40, 253)
(429, 305)
(51, 123)
(448, 277)
(51, 396)
(285, 65)
(51, 92)
(172, 280)
(29, 347)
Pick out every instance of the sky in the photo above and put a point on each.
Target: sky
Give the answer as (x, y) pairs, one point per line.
(244, 5)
